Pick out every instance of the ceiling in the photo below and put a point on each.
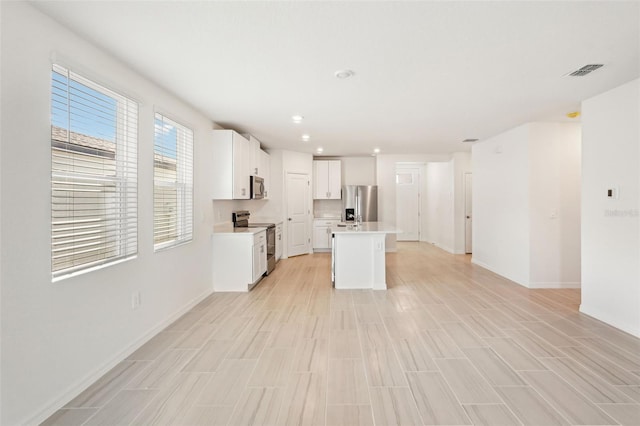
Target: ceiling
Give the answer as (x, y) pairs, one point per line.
(427, 74)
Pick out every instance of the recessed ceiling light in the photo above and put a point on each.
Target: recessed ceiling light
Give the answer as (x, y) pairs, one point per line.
(342, 74)
(319, 150)
(297, 118)
(305, 138)
(376, 150)
(470, 140)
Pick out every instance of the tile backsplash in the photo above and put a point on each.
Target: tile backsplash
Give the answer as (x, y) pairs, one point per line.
(325, 208)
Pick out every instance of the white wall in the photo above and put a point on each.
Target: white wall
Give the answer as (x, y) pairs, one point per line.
(501, 204)
(554, 201)
(610, 228)
(58, 338)
(1, 233)
(526, 198)
(438, 201)
(358, 170)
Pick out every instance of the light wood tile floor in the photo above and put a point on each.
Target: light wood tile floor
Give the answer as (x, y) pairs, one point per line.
(449, 343)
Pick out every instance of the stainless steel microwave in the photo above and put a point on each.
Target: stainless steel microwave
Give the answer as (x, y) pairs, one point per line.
(257, 188)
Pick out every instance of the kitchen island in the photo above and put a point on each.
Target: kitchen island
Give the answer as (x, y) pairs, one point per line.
(358, 255)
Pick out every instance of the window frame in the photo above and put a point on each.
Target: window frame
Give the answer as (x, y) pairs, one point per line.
(119, 238)
(183, 184)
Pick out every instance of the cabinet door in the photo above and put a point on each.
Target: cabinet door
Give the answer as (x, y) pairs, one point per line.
(253, 157)
(320, 180)
(256, 262)
(222, 165)
(259, 260)
(263, 258)
(240, 175)
(320, 240)
(334, 176)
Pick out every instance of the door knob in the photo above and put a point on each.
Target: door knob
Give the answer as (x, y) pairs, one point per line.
(289, 219)
(468, 217)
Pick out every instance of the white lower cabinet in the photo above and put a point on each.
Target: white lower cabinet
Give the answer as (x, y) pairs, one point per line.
(322, 233)
(239, 260)
(259, 255)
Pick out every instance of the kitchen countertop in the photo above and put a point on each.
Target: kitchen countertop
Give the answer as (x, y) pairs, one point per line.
(260, 219)
(227, 228)
(366, 228)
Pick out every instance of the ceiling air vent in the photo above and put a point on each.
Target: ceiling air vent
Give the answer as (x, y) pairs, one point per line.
(469, 140)
(585, 70)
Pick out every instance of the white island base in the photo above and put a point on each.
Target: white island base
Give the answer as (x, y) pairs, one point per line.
(358, 256)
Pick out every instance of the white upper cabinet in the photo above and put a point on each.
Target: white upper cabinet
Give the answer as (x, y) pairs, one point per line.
(327, 179)
(253, 156)
(256, 159)
(230, 168)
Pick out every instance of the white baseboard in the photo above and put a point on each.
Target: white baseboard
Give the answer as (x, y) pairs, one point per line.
(445, 248)
(568, 284)
(608, 319)
(74, 390)
(495, 271)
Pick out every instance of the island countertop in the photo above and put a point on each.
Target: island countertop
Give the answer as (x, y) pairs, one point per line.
(366, 228)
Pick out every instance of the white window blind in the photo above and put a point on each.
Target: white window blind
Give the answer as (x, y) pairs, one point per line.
(93, 174)
(172, 183)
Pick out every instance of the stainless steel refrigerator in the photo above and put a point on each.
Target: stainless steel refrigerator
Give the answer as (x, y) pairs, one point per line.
(360, 201)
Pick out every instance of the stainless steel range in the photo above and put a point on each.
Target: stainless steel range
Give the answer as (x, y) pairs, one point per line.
(241, 220)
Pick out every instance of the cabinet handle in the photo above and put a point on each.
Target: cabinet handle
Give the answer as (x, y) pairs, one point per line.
(261, 249)
(244, 191)
(256, 169)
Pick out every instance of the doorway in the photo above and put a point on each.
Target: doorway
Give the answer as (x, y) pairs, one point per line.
(298, 214)
(468, 216)
(408, 203)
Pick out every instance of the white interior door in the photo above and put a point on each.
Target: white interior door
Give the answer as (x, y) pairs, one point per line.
(468, 216)
(408, 203)
(298, 214)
